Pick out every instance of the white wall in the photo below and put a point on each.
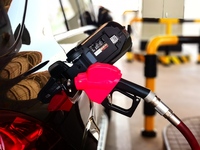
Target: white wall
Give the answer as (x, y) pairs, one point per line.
(191, 11)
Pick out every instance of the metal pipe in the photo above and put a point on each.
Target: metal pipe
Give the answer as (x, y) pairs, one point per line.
(151, 50)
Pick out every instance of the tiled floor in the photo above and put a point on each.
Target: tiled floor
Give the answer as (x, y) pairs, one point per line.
(177, 86)
(175, 140)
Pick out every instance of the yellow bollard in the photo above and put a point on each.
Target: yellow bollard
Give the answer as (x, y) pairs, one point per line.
(150, 74)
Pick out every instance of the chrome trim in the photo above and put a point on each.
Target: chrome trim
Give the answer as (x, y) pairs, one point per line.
(103, 126)
(150, 97)
(162, 109)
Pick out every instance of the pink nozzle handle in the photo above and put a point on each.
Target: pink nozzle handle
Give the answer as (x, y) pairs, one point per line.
(98, 81)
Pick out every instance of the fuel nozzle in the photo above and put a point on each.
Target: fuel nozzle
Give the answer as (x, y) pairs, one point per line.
(100, 81)
(106, 45)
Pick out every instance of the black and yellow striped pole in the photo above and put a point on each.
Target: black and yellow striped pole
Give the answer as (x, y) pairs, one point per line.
(198, 57)
(150, 71)
(168, 21)
(168, 31)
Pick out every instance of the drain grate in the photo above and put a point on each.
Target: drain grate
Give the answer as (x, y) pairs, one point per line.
(174, 140)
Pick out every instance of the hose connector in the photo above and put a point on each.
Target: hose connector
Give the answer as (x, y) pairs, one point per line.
(161, 108)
